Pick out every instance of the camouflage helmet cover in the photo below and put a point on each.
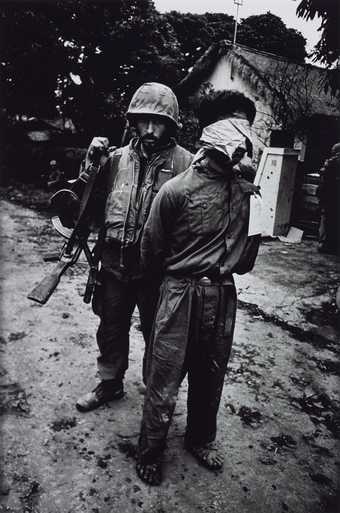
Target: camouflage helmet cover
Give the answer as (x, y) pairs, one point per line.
(153, 98)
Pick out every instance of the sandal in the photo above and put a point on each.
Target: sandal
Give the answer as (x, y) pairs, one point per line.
(209, 455)
(150, 473)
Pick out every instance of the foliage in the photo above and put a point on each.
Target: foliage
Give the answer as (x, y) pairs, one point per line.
(28, 48)
(118, 46)
(268, 33)
(84, 60)
(327, 49)
(196, 32)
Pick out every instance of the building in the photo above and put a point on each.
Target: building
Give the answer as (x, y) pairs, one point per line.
(294, 107)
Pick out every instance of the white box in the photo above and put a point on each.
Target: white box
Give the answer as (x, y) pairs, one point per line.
(276, 177)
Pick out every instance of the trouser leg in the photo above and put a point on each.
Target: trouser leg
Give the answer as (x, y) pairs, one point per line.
(167, 353)
(147, 298)
(322, 228)
(214, 309)
(117, 304)
(332, 228)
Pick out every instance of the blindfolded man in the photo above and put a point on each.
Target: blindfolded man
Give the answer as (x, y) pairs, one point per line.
(196, 237)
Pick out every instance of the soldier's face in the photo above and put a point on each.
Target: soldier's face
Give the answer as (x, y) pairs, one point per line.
(151, 130)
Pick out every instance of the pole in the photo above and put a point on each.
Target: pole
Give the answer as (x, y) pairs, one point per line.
(237, 3)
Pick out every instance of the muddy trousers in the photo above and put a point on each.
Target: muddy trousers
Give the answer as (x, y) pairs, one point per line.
(115, 303)
(192, 334)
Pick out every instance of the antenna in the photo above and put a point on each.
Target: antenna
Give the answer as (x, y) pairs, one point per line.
(237, 3)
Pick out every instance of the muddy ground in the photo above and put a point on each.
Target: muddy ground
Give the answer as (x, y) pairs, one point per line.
(279, 419)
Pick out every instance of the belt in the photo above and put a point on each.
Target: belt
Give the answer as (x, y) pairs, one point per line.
(205, 280)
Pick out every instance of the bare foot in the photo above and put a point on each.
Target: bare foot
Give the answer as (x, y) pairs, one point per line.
(150, 473)
(208, 455)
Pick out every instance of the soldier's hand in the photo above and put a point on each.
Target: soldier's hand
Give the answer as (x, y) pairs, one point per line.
(97, 152)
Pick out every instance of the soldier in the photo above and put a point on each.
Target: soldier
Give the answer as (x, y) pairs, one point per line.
(56, 177)
(197, 236)
(135, 174)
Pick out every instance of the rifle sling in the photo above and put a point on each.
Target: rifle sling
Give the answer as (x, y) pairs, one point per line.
(79, 227)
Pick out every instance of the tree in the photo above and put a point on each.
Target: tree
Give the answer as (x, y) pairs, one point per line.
(30, 58)
(268, 33)
(196, 32)
(327, 49)
(117, 46)
(83, 59)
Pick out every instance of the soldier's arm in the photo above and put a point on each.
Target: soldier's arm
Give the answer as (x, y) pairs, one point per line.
(98, 153)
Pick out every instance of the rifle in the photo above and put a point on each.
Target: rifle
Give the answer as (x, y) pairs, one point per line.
(75, 231)
(42, 292)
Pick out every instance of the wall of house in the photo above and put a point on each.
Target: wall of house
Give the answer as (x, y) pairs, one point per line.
(313, 142)
(225, 77)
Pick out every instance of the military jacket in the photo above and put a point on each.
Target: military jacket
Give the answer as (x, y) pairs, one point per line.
(130, 189)
(198, 225)
(130, 198)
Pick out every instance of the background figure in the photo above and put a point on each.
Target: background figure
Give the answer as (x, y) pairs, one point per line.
(329, 198)
(197, 237)
(126, 187)
(55, 177)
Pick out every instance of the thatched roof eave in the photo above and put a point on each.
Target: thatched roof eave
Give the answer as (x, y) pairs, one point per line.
(289, 87)
(202, 69)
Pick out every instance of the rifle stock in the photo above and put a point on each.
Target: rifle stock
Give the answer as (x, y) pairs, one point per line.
(42, 292)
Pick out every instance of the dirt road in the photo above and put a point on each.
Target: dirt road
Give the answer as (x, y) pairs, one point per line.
(278, 423)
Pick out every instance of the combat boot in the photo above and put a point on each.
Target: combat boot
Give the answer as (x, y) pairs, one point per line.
(105, 391)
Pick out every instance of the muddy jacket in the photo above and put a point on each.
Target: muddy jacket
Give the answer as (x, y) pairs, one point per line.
(133, 182)
(198, 225)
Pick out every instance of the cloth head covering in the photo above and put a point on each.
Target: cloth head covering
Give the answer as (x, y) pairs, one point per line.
(227, 135)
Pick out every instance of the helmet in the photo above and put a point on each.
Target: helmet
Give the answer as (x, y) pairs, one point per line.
(335, 149)
(156, 99)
